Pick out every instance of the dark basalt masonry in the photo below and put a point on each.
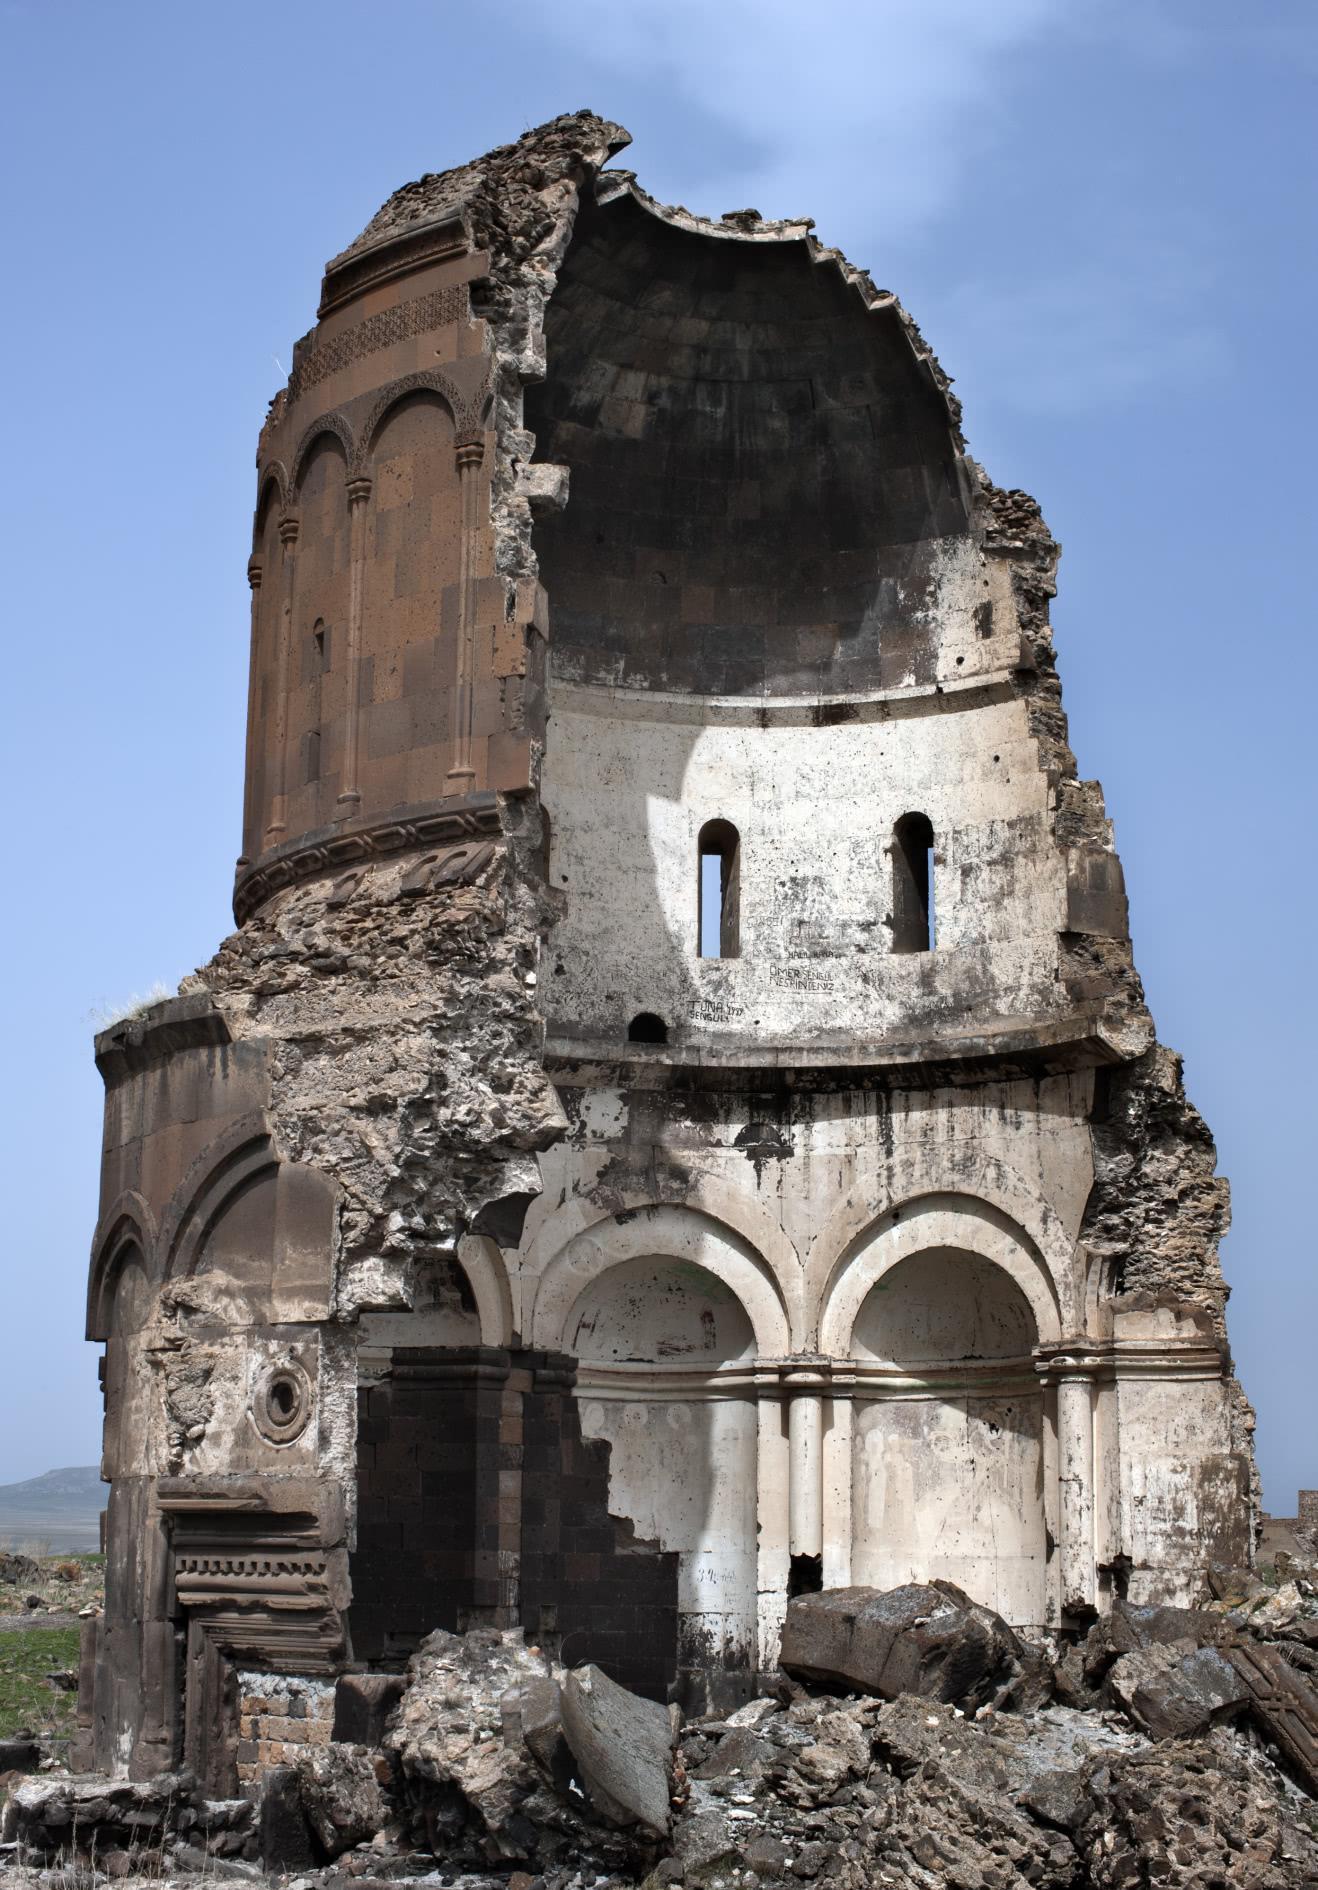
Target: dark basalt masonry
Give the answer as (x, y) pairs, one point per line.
(493, 1232)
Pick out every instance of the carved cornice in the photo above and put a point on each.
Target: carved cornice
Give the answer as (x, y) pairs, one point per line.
(136, 1043)
(396, 254)
(322, 358)
(330, 850)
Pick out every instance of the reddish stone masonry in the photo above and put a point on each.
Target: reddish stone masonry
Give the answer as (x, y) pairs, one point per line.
(280, 1716)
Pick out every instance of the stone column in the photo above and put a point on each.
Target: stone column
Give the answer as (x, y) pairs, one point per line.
(805, 1429)
(278, 826)
(1074, 1378)
(837, 1455)
(349, 800)
(773, 1478)
(470, 451)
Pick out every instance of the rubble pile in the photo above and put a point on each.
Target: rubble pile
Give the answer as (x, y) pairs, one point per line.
(912, 1740)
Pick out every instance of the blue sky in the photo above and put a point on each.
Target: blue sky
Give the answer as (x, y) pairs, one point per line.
(1101, 215)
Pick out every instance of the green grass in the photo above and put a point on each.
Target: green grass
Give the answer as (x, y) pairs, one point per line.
(27, 1655)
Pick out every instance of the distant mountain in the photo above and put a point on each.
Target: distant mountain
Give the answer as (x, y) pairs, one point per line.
(61, 1508)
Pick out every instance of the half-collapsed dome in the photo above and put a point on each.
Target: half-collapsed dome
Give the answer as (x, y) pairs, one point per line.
(762, 468)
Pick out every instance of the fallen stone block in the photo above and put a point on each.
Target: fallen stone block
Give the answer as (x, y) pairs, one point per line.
(622, 1745)
(1128, 1630)
(541, 1708)
(928, 1639)
(1177, 1691)
(284, 1835)
(1284, 1705)
(341, 1796)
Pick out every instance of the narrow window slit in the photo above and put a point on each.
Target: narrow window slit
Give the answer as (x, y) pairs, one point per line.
(913, 914)
(719, 888)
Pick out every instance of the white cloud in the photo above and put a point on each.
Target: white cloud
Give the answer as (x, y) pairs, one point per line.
(899, 95)
(1052, 274)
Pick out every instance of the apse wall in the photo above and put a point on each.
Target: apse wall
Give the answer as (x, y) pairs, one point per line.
(768, 609)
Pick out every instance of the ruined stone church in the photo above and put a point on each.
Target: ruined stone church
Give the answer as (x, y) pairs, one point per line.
(677, 1124)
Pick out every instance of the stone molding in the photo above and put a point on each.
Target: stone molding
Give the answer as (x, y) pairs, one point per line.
(322, 358)
(451, 822)
(397, 254)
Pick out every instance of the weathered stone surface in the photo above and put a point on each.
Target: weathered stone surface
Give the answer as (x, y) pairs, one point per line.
(1193, 1814)
(283, 1834)
(341, 1796)
(930, 1640)
(1177, 1691)
(456, 1728)
(623, 1748)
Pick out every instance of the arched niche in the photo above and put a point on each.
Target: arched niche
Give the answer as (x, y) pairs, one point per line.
(958, 1223)
(948, 1440)
(944, 1308)
(318, 657)
(125, 1242)
(416, 519)
(654, 1310)
(256, 1234)
(124, 1299)
(680, 1234)
(651, 1335)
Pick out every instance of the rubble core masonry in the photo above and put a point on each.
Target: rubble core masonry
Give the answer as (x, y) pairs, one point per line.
(677, 1124)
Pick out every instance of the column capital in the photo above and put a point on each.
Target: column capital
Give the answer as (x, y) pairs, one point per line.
(289, 527)
(254, 568)
(359, 489)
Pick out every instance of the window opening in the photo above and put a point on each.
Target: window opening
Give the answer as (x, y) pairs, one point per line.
(719, 886)
(913, 914)
(645, 1027)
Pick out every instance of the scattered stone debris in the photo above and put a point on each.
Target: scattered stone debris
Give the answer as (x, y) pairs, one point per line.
(498, 1770)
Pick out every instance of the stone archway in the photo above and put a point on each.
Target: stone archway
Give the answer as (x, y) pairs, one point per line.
(948, 1475)
(665, 1351)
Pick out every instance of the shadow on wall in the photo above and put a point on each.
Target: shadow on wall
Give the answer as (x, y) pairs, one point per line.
(948, 1469)
(651, 1336)
(732, 530)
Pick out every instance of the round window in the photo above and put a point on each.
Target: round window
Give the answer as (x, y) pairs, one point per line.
(282, 1405)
